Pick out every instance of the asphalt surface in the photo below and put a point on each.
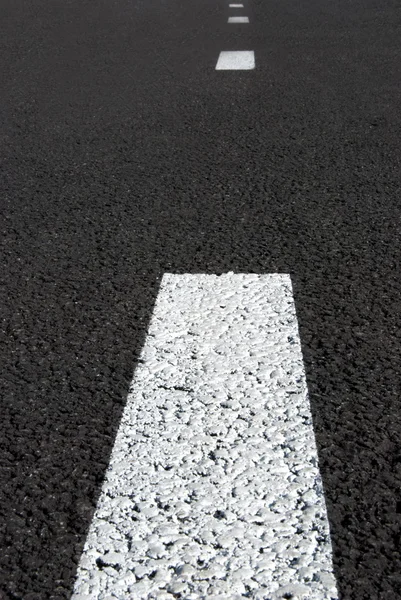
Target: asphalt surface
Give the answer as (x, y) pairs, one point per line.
(125, 155)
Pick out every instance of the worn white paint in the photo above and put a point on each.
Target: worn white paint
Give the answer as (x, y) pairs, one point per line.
(213, 488)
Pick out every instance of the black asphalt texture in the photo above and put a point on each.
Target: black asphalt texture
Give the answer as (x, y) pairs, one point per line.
(125, 155)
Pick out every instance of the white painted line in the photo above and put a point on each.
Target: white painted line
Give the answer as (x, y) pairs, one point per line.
(238, 20)
(238, 60)
(213, 488)
(236, 5)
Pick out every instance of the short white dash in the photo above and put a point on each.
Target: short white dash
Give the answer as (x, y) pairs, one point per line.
(213, 488)
(238, 20)
(236, 5)
(236, 60)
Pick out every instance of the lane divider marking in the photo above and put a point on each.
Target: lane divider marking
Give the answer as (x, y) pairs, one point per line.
(236, 60)
(238, 20)
(213, 488)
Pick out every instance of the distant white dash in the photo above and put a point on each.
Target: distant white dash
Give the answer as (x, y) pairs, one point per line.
(213, 488)
(236, 60)
(238, 19)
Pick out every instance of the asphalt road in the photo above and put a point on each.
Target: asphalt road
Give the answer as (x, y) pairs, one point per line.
(125, 155)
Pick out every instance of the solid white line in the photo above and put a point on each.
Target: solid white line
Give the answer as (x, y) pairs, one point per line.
(213, 488)
(236, 60)
(238, 20)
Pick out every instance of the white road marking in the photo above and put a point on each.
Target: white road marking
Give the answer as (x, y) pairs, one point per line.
(236, 5)
(236, 60)
(238, 20)
(213, 488)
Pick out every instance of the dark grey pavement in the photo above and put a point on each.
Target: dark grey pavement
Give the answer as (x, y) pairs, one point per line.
(124, 155)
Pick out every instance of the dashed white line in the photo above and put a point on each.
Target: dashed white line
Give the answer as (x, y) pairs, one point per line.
(213, 488)
(238, 20)
(236, 60)
(236, 5)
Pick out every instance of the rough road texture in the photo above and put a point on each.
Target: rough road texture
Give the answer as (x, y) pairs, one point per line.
(126, 155)
(213, 489)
